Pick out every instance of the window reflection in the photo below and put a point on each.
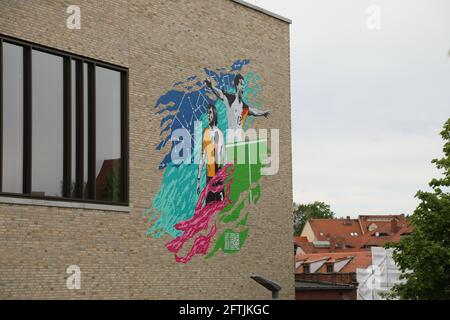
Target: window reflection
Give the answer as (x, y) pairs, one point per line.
(108, 135)
(34, 102)
(12, 118)
(47, 124)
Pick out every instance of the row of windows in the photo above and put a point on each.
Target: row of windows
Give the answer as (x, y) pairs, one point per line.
(307, 269)
(63, 125)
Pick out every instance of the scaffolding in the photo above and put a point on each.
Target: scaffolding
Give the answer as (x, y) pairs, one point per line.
(379, 277)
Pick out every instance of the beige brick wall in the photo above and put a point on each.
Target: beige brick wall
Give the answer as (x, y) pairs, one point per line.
(160, 41)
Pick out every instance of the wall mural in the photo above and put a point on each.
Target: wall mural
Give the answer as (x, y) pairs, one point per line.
(211, 173)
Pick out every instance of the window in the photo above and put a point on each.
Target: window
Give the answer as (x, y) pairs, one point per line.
(47, 124)
(12, 122)
(63, 125)
(330, 268)
(306, 268)
(108, 160)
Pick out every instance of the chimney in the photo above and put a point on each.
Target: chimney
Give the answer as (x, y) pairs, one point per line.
(348, 221)
(394, 226)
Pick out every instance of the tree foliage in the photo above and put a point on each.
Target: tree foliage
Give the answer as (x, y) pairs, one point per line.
(304, 212)
(424, 256)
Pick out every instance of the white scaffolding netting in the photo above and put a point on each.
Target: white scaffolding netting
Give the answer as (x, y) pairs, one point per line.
(379, 277)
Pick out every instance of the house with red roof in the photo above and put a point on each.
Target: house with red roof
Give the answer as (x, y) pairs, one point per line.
(329, 252)
(340, 235)
(329, 276)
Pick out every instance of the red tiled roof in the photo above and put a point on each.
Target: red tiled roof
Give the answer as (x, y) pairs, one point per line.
(300, 240)
(354, 242)
(358, 259)
(318, 258)
(325, 228)
(341, 233)
(381, 221)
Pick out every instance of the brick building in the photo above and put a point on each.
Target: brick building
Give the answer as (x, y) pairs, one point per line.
(324, 286)
(91, 99)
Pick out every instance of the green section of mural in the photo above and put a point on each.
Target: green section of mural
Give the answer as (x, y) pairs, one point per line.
(229, 242)
(245, 193)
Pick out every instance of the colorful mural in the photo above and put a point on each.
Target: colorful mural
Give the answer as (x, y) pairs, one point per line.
(211, 164)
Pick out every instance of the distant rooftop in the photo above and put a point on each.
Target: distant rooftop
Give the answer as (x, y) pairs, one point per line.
(267, 12)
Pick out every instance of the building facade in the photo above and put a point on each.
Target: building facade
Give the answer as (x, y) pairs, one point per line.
(118, 176)
(326, 286)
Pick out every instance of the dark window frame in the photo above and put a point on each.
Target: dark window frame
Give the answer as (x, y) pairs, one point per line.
(1, 113)
(28, 47)
(330, 268)
(306, 268)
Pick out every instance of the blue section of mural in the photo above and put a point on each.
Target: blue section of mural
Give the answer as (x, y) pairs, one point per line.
(188, 101)
(181, 110)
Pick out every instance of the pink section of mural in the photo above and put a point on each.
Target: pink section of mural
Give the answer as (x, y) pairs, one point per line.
(202, 217)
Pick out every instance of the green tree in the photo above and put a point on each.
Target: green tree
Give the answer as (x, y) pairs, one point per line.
(424, 256)
(304, 212)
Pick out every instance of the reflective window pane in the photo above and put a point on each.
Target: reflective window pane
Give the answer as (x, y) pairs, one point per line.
(12, 118)
(108, 135)
(47, 124)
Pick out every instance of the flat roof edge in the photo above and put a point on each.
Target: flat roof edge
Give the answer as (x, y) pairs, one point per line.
(267, 12)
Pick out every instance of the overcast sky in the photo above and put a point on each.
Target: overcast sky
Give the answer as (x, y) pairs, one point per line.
(367, 105)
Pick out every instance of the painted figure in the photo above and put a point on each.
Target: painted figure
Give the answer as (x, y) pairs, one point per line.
(213, 153)
(237, 109)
